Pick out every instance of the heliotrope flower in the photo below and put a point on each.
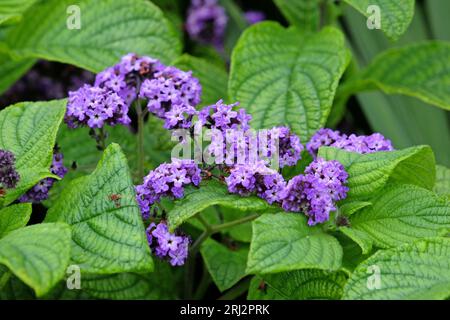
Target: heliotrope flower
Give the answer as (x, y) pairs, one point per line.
(289, 147)
(94, 107)
(245, 179)
(206, 22)
(316, 192)
(172, 95)
(360, 144)
(222, 117)
(40, 191)
(9, 177)
(167, 180)
(167, 245)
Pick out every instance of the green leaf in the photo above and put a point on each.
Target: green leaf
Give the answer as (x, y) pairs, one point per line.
(442, 185)
(109, 29)
(28, 129)
(395, 15)
(298, 285)
(12, 70)
(419, 70)
(212, 193)
(369, 173)
(412, 272)
(38, 255)
(241, 232)
(285, 77)
(106, 237)
(285, 242)
(401, 214)
(350, 208)
(11, 10)
(14, 217)
(303, 14)
(361, 238)
(226, 266)
(212, 77)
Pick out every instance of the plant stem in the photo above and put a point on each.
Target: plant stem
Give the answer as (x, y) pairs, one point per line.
(140, 133)
(204, 284)
(236, 291)
(196, 246)
(101, 138)
(220, 227)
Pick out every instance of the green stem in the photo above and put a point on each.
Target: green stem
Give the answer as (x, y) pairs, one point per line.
(220, 227)
(236, 291)
(204, 284)
(102, 136)
(140, 133)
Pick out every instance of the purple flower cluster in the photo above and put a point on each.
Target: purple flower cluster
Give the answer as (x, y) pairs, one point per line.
(254, 16)
(40, 191)
(167, 180)
(289, 146)
(167, 245)
(256, 178)
(172, 95)
(316, 192)
(206, 22)
(94, 106)
(222, 117)
(9, 177)
(360, 144)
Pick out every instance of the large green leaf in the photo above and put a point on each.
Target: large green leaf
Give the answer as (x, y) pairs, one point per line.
(226, 266)
(419, 70)
(212, 77)
(28, 129)
(298, 285)
(38, 255)
(285, 242)
(395, 15)
(442, 181)
(401, 214)
(12, 70)
(109, 29)
(369, 173)
(209, 194)
(415, 271)
(107, 237)
(285, 77)
(11, 10)
(14, 217)
(303, 14)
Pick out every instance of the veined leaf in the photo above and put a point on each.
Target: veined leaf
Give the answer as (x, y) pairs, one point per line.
(226, 266)
(285, 242)
(298, 285)
(285, 77)
(38, 255)
(212, 77)
(28, 129)
(209, 194)
(401, 214)
(106, 237)
(369, 173)
(395, 16)
(303, 14)
(442, 185)
(108, 30)
(14, 217)
(420, 270)
(11, 10)
(363, 240)
(419, 70)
